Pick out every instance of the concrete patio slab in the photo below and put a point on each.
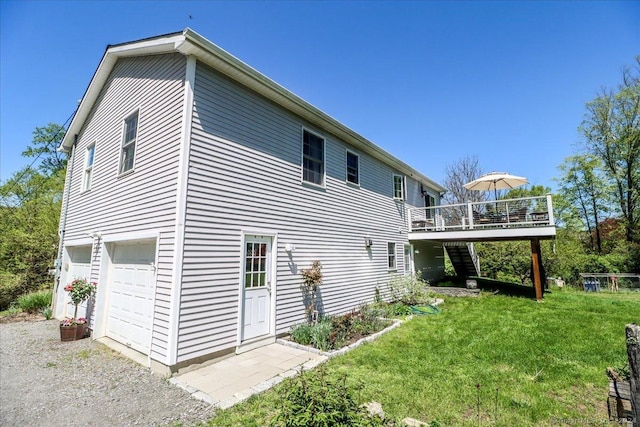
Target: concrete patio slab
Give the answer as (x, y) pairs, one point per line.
(234, 379)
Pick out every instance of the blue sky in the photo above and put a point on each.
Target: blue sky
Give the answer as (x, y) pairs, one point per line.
(430, 82)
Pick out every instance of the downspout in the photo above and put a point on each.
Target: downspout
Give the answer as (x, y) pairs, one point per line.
(63, 224)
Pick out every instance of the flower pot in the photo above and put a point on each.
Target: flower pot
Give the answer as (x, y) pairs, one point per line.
(68, 333)
(81, 330)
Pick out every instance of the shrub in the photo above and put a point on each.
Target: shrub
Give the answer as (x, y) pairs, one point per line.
(301, 333)
(410, 289)
(11, 287)
(35, 301)
(47, 313)
(315, 398)
(311, 281)
(320, 334)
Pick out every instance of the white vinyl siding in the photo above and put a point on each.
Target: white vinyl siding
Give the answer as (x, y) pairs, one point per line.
(391, 256)
(145, 201)
(398, 187)
(244, 175)
(353, 168)
(88, 166)
(313, 154)
(129, 138)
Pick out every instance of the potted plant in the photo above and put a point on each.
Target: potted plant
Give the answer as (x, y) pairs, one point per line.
(80, 290)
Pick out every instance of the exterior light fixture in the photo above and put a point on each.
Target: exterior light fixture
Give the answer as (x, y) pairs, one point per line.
(368, 242)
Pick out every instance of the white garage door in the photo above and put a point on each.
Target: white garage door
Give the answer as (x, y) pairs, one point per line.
(79, 268)
(131, 295)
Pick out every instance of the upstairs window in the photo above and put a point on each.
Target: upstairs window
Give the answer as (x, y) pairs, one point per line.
(88, 166)
(398, 187)
(391, 255)
(129, 139)
(312, 158)
(429, 201)
(353, 168)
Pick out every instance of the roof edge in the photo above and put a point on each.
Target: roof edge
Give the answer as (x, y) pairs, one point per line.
(189, 42)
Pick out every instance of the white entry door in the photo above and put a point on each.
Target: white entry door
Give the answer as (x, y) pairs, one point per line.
(131, 294)
(257, 287)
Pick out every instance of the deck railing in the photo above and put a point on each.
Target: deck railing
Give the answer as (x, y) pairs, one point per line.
(523, 212)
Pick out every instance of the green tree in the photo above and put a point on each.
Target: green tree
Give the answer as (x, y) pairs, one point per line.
(28, 231)
(45, 143)
(583, 183)
(30, 203)
(611, 132)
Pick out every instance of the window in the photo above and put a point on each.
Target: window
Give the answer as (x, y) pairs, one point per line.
(312, 158)
(408, 261)
(129, 139)
(391, 255)
(256, 265)
(429, 201)
(398, 187)
(88, 166)
(353, 168)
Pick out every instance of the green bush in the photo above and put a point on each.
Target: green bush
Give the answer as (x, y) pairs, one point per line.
(11, 287)
(315, 398)
(47, 313)
(409, 289)
(35, 301)
(320, 334)
(301, 333)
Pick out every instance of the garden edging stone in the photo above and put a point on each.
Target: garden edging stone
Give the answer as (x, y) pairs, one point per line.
(343, 350)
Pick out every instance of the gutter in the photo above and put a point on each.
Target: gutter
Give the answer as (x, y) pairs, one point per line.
(63, 221)
(188, 42)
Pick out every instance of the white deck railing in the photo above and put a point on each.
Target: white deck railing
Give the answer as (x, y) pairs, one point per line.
(513, 213)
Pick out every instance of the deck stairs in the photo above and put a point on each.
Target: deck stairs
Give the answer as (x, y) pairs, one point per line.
(464, 258)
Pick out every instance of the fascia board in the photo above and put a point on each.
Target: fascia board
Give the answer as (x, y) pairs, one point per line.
(191, 43)
(224, 62)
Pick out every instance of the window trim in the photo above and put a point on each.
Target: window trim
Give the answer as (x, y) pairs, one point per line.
(395, 256)
(88, 169)
(408, 268)
(324, 158)
(134, 143)
(427, 200)
(403, 189)
(346, 158)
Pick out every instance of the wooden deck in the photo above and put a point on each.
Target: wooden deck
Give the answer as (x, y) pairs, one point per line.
(512, 219)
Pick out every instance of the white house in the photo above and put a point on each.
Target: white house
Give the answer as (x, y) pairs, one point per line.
(196, 191)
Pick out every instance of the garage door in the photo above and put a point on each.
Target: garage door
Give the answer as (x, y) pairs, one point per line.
(131, 295)
(79, 268)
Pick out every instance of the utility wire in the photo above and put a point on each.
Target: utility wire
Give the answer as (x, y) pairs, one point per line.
(16, 181)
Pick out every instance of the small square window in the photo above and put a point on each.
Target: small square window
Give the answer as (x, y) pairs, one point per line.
(353, 168)
(398, 187)
(88, 167)
(129, 138)
(312, 158)
(391, 255)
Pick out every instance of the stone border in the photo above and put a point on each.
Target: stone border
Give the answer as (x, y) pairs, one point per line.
(243, 395)
(310, 364)
(343, 350)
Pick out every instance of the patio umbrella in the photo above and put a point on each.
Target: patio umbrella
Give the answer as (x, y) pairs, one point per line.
(496, 181)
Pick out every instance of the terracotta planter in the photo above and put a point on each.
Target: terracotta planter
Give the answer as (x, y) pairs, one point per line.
(81, 330)
(68, 333)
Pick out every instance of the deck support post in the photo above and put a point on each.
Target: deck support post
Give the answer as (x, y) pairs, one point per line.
(632, 333)
(538, 274)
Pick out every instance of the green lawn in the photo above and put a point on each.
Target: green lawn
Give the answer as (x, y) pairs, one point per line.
(536, 364)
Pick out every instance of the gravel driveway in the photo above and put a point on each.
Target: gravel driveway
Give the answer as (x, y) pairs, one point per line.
(44, 381)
